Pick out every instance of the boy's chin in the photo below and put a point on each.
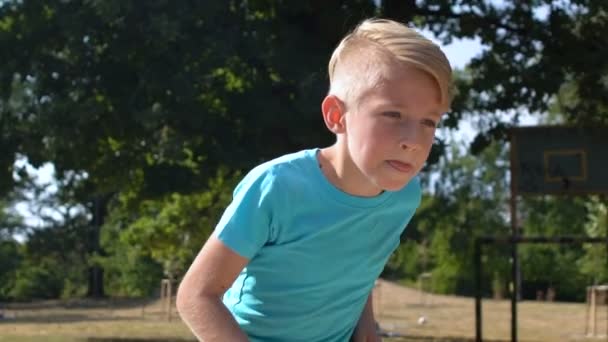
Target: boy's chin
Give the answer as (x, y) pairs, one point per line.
(395, 185)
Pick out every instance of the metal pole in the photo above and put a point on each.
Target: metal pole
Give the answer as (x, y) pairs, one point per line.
(478, 272)
(587, 309)
(514, 266)
(170, 299)
(606, 293)
(514, 235)
(514, 292)
(593, 311)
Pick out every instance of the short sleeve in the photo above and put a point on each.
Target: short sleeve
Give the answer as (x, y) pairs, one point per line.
(245, 225)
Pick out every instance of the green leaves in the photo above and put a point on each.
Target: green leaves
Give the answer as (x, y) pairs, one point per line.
(157, 105)
(172, 228)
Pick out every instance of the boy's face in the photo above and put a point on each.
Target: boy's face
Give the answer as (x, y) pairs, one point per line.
(390, 133)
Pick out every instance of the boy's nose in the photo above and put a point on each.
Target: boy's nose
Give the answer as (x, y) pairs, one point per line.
(410, 138)
(406, 146)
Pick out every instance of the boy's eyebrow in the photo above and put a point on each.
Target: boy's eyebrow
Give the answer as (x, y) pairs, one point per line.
(402, 106)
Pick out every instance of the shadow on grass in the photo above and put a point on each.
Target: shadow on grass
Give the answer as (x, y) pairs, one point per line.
(435, 339)
(64, 318)
(112, 339)
(402, 339)
(80, 303)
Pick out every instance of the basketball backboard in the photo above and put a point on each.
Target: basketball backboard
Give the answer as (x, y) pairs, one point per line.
(559, 160)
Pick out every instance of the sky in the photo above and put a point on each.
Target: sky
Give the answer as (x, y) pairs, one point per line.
(460, 52)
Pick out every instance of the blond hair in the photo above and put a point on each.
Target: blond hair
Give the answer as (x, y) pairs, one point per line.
(365, 56)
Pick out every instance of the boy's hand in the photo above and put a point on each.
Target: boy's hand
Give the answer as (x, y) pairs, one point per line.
(366, 329)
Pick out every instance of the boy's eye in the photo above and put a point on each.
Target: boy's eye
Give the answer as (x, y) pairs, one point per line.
(395, 115)
(429, 123)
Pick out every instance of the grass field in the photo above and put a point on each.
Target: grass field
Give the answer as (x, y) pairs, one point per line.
(448, 318)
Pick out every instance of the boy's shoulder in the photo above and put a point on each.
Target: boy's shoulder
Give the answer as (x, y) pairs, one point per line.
(300, 173)
(285, 164)
(288, 167)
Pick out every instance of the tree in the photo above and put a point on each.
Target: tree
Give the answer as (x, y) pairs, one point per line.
(160, 90)
(151, 98)
(171, 229)
(9, 250)
(469, 199)
(593, 264)
(10, 222)
(534, 49)
(553, 266)
(119, 81)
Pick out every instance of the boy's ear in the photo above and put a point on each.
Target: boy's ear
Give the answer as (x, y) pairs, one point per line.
(333, 113)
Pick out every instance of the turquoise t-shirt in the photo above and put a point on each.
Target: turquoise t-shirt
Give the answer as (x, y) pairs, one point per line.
(314, 251)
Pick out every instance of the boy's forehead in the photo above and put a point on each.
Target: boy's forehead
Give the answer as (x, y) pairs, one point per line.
(405, 94)
(387, 101)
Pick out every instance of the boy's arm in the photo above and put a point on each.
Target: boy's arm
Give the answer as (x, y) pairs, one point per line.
(365, 331)
(199, 295)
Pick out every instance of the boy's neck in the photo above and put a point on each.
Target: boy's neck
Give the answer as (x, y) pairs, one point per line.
(338, 168)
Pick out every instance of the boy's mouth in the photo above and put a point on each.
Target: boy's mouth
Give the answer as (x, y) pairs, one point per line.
(401, 166)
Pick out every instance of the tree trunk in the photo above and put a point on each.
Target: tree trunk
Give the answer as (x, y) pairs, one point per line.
(95, 287)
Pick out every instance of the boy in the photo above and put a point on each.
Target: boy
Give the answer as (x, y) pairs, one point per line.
(297, 252)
